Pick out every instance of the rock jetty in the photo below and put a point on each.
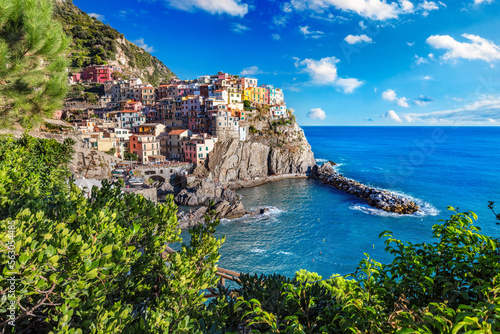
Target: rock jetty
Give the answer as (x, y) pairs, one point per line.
(380, 199)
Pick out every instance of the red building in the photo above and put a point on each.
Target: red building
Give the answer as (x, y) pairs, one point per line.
(98, 73)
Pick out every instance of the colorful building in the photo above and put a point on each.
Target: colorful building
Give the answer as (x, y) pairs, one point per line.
(171, 143)
(98, 73)
(196, 148)
(146, 147)
(154, 129)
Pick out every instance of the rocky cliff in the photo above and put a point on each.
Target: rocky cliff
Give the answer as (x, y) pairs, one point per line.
(271, 149)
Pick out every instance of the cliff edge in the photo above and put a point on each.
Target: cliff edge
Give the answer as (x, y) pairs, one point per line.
(270, 149)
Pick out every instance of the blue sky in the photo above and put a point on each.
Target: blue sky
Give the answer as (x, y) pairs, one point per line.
(340, 62)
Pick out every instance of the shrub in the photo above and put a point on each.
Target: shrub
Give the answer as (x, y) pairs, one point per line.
(94, 265)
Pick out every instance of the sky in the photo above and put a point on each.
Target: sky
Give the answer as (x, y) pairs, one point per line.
(339, 62)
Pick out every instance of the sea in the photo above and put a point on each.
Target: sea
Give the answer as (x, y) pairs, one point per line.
(321, 229)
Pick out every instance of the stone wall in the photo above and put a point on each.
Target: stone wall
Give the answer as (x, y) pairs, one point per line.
(149, 193)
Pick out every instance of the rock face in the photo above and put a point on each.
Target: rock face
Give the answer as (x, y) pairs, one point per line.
(212, 196)
(223, 209)
(282, 150)
(203, 192)
(380, 199)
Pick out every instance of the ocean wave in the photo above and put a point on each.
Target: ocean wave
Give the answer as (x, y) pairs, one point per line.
(257, 250)
(283, 253)
(272, 211)
(426, 209)
(321, 160)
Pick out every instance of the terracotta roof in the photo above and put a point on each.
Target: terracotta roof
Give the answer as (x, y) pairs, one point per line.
(177, 132)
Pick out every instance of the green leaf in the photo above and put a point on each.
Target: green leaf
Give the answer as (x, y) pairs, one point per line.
(107, 249)
(24, 258)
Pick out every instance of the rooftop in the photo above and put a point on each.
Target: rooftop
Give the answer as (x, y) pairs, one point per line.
(177, 132)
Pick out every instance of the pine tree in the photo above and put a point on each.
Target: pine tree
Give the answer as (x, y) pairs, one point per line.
(33, 77)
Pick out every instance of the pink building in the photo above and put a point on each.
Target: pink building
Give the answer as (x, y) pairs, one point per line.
(133, 105)
(197, 147)
(98, 73)
(191, 105)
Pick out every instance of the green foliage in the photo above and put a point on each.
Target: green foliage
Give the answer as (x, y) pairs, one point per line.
(94, 265)
(247, 104)
(91, 98)
(112, 151)
(130, 156)
(252, 129)
(32, 62)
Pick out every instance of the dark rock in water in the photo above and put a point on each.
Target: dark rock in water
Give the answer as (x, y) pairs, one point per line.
(380, 199)
(263, 210)
(227, 210)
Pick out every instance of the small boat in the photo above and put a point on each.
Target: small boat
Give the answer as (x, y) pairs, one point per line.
(136, 182)
(118, 171)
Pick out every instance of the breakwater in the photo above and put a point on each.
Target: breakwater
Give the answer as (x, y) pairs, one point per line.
(377, 198)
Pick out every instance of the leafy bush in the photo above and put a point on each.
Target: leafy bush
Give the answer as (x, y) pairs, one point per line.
(130, 156)
(94, 265)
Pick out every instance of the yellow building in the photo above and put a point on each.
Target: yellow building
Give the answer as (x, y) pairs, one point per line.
(255, 94)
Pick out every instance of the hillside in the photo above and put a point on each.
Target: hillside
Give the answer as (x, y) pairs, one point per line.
(97, 43)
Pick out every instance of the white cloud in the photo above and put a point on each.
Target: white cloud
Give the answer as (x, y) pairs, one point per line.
(421, 60)
(239, 28)
(252, 70)
(407, 6)
(97, 16)
(230, 7)
(362, 25)
(348, 84)
(324, 72)
(352, 39)
(280, 21)
(479, 48)
(308, 33)
(372, 9)
(428, 77)
(484, 109)
(428, 5)
(410, 44)
(478, 2)
(316, 113)
(403, 102)
(390, 95)
(392, 115)
(276, 37)
(140, 43)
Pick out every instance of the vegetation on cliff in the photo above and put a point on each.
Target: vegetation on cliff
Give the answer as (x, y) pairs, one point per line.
(95, 43)
(32, 62)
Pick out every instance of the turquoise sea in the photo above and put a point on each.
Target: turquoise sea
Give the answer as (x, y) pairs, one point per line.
(316, 227)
